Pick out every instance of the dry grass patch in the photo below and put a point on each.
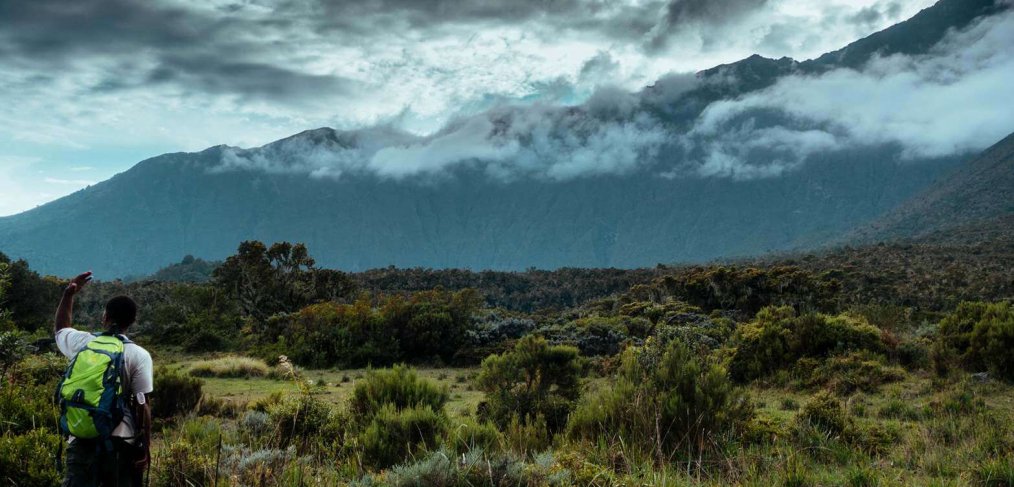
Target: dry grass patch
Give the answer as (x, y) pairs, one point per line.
(230, 367)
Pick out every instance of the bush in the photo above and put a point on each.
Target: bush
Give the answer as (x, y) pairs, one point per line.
(399, 387)
(981, 337)
(24, 408)
(468, 435)
(845, 374)
(691, 397)
(174, 393)
(394, 435)
(305, 419)
(46, 368)
(532, 379)
(777, 338)
(251, 466)
(181, 463)
(827, 414)
(229, 367)
(29, 460)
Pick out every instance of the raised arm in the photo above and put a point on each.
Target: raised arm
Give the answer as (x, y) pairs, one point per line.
(65, 312)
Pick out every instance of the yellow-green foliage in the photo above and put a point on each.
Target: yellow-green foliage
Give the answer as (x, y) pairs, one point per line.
(230, 367)
(29, 460)
(468, 435)
(533, 379)
(303, 419)
(778, 337)
(399, 387)
(665, 403)
(981, 336)
(848, 373)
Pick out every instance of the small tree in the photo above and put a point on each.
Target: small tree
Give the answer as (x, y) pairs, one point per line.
(534, 379)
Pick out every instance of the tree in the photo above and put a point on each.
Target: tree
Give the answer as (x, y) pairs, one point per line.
(282, 278)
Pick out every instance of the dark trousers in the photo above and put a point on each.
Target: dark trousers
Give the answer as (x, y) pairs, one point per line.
(91, 464)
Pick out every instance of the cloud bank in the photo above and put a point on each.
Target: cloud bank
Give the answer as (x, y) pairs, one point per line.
(948, 101)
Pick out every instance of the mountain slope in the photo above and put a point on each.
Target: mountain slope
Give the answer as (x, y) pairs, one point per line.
(974, 203)
(324, 188)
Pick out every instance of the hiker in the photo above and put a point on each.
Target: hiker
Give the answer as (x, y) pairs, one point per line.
(103, 449)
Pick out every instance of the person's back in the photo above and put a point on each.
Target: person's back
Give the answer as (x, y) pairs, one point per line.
(120, 461)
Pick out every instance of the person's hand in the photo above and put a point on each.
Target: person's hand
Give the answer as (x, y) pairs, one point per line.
(77, 283)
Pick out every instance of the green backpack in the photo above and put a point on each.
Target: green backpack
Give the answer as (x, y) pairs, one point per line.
(91, 391)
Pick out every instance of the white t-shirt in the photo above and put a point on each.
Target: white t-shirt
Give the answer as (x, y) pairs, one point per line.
(137, 369)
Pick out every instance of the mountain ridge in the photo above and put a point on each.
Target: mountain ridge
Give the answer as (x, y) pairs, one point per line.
(205, 203)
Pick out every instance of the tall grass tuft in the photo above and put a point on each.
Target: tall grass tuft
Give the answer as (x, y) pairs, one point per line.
(230, 367)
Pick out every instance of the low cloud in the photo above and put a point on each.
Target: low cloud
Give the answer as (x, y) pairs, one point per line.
(949, 101)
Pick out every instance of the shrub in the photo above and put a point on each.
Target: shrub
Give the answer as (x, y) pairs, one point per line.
(251, 466)
(399, 387)
(980, 336)
(665, 401)
(778, 337)
(24, 408)
(528, 435)
(827, 414)
(28, 460)
(306, 419)
(533, 379)
(174, 393)
(441, 469)
(46, 368)
(466, 436)
(394, 435)
(180, 463)
(229, 367)
(845, 374)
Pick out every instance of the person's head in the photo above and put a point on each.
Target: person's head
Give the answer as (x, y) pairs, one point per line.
(121, 312)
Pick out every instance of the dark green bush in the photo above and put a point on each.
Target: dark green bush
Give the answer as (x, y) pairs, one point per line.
(175, 393)
(399, 387)
(778, 337)
(980, 336)
(29, 460)
(665, 402)
(532, 379)
(396, 435)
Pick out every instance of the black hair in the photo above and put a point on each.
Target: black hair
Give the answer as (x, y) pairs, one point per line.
(121, 312)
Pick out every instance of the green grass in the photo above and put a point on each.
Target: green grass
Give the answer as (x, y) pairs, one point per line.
(337, 386)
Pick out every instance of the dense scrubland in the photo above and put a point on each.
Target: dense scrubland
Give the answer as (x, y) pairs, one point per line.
(881, 365)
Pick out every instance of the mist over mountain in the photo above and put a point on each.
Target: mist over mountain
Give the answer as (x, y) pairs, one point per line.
(757, 156)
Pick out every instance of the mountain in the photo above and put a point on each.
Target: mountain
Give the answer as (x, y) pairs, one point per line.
(975, 203)
(512, 199)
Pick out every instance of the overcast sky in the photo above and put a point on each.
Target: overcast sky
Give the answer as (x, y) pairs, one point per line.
(90, 87)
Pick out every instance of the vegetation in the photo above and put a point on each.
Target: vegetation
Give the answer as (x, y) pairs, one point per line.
(782, 374)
